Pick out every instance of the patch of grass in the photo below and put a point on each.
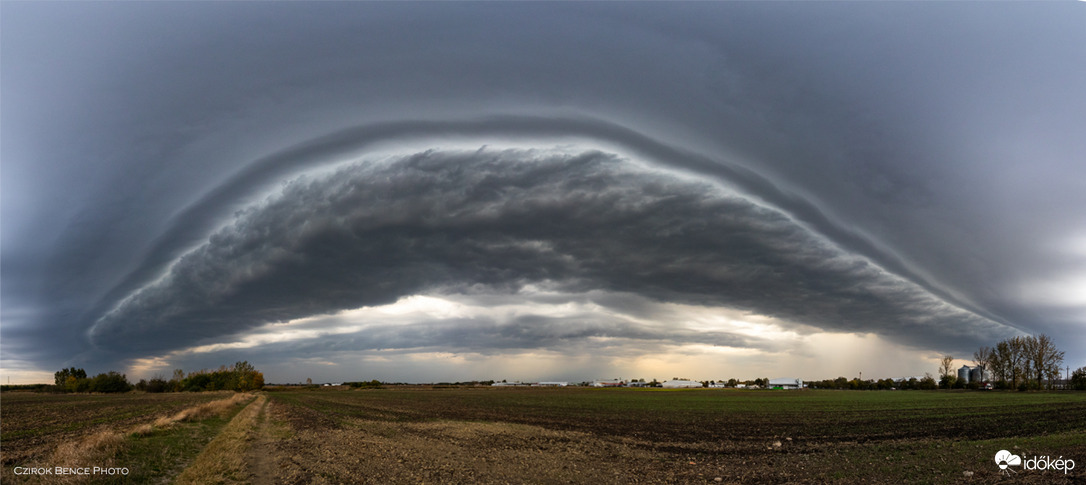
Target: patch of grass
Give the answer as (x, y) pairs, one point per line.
(38, 415)
(162, 453)
(151, 453)
(223, 459)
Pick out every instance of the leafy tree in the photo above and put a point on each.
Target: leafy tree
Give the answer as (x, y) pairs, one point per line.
(947, 381)
(197, 381)
(77, 384)
(247, 377)
(175, 382)
(65, 377)
(927, 383)
(110, 382)
(1078, 379)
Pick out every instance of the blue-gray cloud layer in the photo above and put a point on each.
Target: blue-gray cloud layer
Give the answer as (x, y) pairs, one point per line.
(495, 221)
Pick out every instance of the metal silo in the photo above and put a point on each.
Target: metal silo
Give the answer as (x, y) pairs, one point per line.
(963, 374)
(977, 375)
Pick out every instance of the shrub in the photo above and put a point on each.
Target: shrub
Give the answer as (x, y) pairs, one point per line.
(109, 382)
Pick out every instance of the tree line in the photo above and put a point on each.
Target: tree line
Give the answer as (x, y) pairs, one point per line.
(924, 383)
(241, 376)
(1031, 362)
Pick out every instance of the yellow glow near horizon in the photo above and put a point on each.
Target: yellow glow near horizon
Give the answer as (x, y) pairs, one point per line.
(777, 349)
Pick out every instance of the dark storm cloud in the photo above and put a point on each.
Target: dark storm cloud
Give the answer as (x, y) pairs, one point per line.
(440, 222)
(197, 220)
(940, 141)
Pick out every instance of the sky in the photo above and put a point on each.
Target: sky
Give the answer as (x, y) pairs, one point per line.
(421, 192)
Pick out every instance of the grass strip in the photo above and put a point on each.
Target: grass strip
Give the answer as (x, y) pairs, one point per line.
(223, 459)
(150, 452)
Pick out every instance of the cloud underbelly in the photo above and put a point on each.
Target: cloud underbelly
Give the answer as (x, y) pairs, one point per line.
(493, 221)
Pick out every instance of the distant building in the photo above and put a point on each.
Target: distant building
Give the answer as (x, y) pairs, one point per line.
(551, 384)
(609, 383)
(785, 383)
(681, 383)
(963, 374)
(514, 383)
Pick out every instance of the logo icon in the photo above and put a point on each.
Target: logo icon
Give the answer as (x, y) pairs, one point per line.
(1005, 459)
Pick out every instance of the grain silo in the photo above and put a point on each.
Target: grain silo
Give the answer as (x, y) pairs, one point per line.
(977, 374)
(963, 374)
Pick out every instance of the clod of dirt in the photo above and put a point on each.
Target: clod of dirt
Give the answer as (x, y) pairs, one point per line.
(776, 444)
(967, 473)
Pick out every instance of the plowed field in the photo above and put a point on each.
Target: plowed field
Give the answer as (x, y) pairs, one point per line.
(662, 436)
(567, 435)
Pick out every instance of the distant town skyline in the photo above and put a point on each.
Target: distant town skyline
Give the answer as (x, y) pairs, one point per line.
(419, 192)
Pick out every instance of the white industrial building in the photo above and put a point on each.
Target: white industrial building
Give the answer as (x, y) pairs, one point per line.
(785, 383)
(609, 383)
(680, 383)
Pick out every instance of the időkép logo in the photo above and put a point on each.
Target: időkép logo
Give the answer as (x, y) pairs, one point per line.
(1005, 460)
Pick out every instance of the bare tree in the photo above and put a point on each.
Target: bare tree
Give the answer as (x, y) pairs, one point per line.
(1044, 359)
(1011, 359)
(983, 357)
(945, 365)
(1019, 359)
(1033, 359)
(1001, 360)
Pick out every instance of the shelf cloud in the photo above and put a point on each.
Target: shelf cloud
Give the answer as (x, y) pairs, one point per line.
(495, 221)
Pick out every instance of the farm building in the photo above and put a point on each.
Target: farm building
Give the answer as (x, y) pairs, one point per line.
(681, 383)
(551, 384)
(609, 383)
(785, 383)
